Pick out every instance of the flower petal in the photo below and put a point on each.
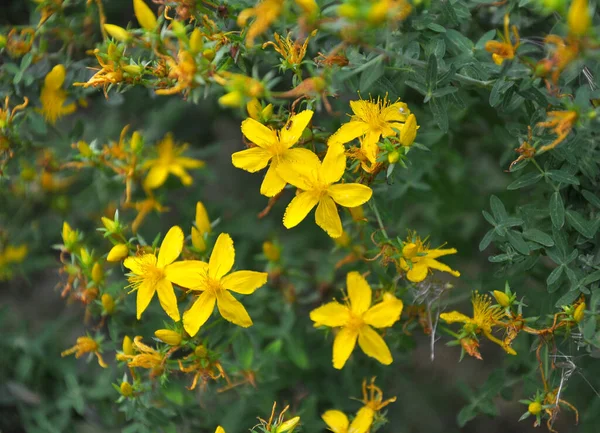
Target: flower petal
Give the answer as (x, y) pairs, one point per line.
(373, 345)
(272, 184)
(171, 247)
(292, 131)
(145, 292)
(298, 208)
(251, 160)
(190, 163)
(363, 420)
(156, 176)
(137, 264)
(384, 314)
(397, 112)
(343, 345)
(202, 220)
(336, 421)
(222, 257)
(408, 132)
(369, 145)
(362, 108)
(332, 314)
(454, 317)
(188, 273)
(232, 310)
(300, 156)
(348, 132)
(334, 163)
(418, 273)
(244, 282)
(328, 218)
(167, 298)
(199, 312)
(303, 174)
(434, 264)
(258, 133)
(350, 194)
(359, 292)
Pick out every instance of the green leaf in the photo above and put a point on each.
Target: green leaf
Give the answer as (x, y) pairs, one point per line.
(562, 177)
(487, 239)
(498, 209)
(431, 73)
(371, 75)
(557, 210)
(591, 278)
(459, 43)
(539, 236)
(580, 224)
(591, 197)
(525, 180)
(566, 299)
(439, 109)
(419, 87)
(436, 28)
(555, 275)
(499, 91)
(589, 327)
(517, 241)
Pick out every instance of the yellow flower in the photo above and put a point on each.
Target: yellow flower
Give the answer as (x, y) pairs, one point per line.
(11, 254)
(183, 70)
(485, 316)
(144, 357)
(356, 319)
(275, 147)
(202, 227)
(318, 184)
(169, 161)
(534, 408)
(144, 15)
(85, 345)
(69, 236)
(372, 119)
(150, 274)
(417, 259)
(53, 96)
(292, 51)
(504, 50)
(257, 112)
(266, 12)
(579, 17)
(561, 123)
(117, 253)
(211, 279)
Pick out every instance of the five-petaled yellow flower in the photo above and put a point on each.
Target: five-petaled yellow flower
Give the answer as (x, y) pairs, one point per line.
(169, 161)
(53, 96)
(373, 120)
(151, 274)
(318, 184)
(417, 259)
(356, 319)
(273, 146)
(212, 280)
(485, 316)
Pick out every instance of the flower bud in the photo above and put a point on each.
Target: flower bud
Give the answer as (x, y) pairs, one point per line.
(393, 157)
(118, 253)
(579, 312)
(534, 408)
(97, 273)
(347, 11)
(109, 224)
(343, 240)
(287, 425)
(172, 338)
(309, 7)
(196, 41)
(254, 108)
(178, 29)
(357, 213)
(209, 54)
(84, 149)
(200, 352)
(133, 69)
(144, 15)
(127, 345)
(86, 259)
(126, 389)
(271, 251)
(378, 12)
(108, 303)
(502, 298)
(136, 142)
(232, 99)
(118, 33)
(579, 17)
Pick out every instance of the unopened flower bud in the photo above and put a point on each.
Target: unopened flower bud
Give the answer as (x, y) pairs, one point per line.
(209, 54)
(200, 351)
(172, 338)
(126, 389)
(502, 298)
(393, 157)
(118, 253)
(97, 273)
(144, 15)
(579, 17)
(534, 408)
(579, 312)
(196, 41)
(127, 345)
(108, 303)
(118, 33)
(271, 251)
(287, 425)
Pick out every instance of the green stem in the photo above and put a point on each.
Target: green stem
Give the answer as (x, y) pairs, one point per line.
(378, 217)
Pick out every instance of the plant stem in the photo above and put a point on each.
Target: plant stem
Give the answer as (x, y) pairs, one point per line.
(378, 217)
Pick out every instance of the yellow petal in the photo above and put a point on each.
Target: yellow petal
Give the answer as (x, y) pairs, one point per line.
(373, 345)
(272, 184)
(167, 298)
(434, 264)
(222, 257)
(303, 174)
(202, 220)
(156, 176)
(396, 112)
(343, 345)
(144, 15)
(362, 108)
(251, 160)
(145, 292)
(332, 314)
(328, 218)
(298, 208)
(384, 314)
(55, 78)
(199, 312)
(348, 132)
(300, 157)
(350, 194)
(369, 145)
(171, 247)
(291, 132)
(258, 133)
(189, 162)
(188, 273)
(232, 310)
(244, 282)
(359, 292)
(418, 273)
(454, 317)
(119, 33)
(139, 263)
(439, 252)
(336, 421)
(220, 430)
(180, 172)
(408, 132)
(334, 163)
(363, 420)
(198, 241)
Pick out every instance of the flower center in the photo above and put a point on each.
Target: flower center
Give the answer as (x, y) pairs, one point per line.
(355, 322)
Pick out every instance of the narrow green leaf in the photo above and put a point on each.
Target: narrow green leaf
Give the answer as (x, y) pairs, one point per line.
(591, 197)
(517, 241)
(539, 236)
(498, 209)
(440, 113)
(562, 176)
(580, 224)
(431, 73)
(487, 239)
(557, 210)
(555, 275)
(525, 180)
